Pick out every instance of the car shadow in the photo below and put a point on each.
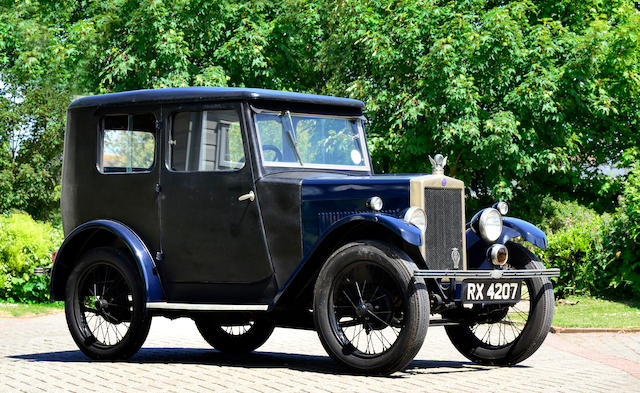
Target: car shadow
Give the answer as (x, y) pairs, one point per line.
(299, 362)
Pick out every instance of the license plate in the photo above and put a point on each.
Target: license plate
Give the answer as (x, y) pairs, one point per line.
(492, 291)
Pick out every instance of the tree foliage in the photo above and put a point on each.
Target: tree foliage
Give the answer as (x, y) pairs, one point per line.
(526, 98)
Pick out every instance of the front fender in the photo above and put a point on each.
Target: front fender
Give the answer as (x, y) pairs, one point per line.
(408, 232)
(67, 255)
(316, 253)
(511, 227)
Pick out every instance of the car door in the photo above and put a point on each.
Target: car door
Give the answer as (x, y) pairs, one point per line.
(119, 184)
(213, 247)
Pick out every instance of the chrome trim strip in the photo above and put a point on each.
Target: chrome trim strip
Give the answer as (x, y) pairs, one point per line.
(207, 307)
(487, 274)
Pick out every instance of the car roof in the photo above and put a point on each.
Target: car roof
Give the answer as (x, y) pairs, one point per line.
(196, 94)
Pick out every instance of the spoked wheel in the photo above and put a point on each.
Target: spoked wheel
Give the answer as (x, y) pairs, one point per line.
(104, 306)
(367, 318)
(507, 335)
(503, 325)
(245, 336)
(369, 313)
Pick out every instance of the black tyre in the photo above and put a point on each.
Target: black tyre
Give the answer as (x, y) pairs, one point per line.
(105, 305)
(239, 338)
(511, 334)
(370, 313)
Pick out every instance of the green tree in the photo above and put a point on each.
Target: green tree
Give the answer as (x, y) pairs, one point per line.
(526, 98)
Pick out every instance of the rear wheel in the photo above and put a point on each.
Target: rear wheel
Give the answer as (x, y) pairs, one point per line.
(507, 335)
(370, 314)
(105, 305)
(241, 337)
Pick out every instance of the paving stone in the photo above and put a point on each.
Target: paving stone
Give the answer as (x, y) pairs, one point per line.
(38, 354)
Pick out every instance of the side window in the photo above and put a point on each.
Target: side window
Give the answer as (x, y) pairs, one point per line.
(271, 137)
(128, 143)
(206, 141)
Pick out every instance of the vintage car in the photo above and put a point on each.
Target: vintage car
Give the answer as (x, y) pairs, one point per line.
(249, 209)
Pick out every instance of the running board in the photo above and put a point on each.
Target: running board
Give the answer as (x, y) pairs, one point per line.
(206, 307)
(487, 274)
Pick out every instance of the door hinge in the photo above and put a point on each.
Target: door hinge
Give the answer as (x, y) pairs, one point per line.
(158, 187)
(159, 256)
(158, 125)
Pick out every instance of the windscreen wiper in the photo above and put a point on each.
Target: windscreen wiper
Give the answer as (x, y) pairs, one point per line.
(291, 137)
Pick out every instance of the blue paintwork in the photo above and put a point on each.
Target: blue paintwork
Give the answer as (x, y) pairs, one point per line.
(477, 252)
(528, 231)
(406, 231)
(512, 227)
(192, 94)
(141, 254)
(346, 196)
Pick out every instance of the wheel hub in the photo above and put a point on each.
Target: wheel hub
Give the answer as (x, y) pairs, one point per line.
(101, 304)
(363, 309)
(102, 307)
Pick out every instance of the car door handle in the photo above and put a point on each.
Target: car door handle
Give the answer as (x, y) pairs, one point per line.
(250, 196)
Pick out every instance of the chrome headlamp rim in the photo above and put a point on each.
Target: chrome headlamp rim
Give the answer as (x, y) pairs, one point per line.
(414, 212)
(493, 254)
(483, 225)
(502, 207)
(375, 203)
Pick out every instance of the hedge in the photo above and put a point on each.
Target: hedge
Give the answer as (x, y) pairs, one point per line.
(24, 245)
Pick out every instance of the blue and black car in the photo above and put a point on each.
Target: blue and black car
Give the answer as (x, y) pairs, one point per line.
(249, 209)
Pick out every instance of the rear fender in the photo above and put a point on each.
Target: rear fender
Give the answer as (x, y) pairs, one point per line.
(68, 254)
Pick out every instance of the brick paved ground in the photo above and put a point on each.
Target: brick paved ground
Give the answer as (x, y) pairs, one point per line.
(38, 354)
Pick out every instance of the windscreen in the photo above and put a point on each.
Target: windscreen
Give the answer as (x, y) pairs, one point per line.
(294, 140)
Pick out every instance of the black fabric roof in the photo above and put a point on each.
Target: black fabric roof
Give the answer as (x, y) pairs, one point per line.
(194, 94)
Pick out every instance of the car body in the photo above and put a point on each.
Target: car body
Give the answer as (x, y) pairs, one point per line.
(229, 205)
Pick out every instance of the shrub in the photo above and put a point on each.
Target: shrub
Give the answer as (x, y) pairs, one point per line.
(598, 255)
(574, 241)
(24, 245)
(620, 257)
(558, 216)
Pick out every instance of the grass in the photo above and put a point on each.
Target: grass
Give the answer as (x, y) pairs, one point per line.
(22, 309)
(591, 312)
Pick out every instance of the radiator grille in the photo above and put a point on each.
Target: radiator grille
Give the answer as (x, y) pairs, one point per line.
(444, 227)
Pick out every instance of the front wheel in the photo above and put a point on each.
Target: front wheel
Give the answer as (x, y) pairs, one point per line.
(105, 305)
(369, 312)
(507, 335)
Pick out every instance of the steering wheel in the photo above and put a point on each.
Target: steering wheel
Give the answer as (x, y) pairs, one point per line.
(275, 150)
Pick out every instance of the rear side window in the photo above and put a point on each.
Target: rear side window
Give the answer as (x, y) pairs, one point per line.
(128, 143)
(206, 141)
